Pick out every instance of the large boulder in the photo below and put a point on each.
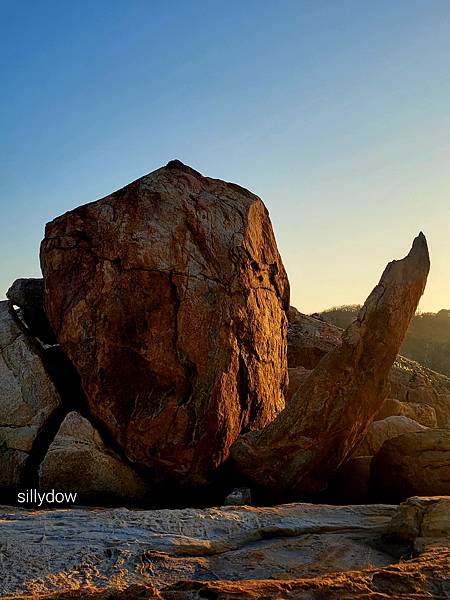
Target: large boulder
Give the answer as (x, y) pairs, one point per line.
(412, 464)
(79, 460)
(29, 402)
(380, 431)
(330, 412)
(422, 521)
(28, 294)
(170, 298)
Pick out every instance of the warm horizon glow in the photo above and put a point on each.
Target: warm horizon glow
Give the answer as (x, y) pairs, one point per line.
(336, 114)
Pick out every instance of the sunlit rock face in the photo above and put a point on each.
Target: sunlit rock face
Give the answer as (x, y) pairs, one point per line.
(416, 392)
(328, 416)
(170, 298)
(421, 413)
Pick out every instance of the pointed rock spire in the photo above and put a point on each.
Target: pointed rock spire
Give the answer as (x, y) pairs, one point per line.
(330, 412)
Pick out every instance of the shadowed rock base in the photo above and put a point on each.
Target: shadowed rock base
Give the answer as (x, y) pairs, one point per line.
(411, 464)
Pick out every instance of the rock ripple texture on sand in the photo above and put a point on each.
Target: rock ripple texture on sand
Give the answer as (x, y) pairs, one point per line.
(78, 549)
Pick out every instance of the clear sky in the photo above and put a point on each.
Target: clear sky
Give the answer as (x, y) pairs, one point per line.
(337, 113)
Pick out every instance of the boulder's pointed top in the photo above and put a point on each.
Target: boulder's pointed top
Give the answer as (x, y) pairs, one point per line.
(177, 165)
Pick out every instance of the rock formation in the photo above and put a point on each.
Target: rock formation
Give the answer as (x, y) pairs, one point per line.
(329, 414)
(421, 413)
(309, 339)
(29, 402)
(261, 552)
(79, 460)
(297, 376)
(169, 297)
(411, 382)
(168, 302)
(383, 430)
(28, 294)
(412, 464)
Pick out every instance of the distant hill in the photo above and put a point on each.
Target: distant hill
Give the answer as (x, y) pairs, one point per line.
(427, 340)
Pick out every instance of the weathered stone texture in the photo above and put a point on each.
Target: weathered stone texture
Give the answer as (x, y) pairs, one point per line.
(231, 552)
(28, 398)
(79, 460)
(412, 464)
(170, 298)
(386, 429)
(422, 413)
(329, 414)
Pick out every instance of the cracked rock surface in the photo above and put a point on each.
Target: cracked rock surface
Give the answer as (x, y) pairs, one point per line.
(412, 382)
(29, 402)
(170, 297)
(111, 549)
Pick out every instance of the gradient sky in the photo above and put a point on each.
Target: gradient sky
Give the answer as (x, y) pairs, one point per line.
(337, 113)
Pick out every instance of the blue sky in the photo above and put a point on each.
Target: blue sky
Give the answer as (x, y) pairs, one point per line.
(336, 113)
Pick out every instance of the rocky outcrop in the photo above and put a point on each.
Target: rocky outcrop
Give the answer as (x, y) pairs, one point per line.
(29, 403)
(239, 497)
(422, 521)
(329, 414)
(386, 429)
(28, 294)
(170, 298)
(411, 383)
(79, 460)
(421, 413)
(412, 464)
(410, 580)
(268, 550)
